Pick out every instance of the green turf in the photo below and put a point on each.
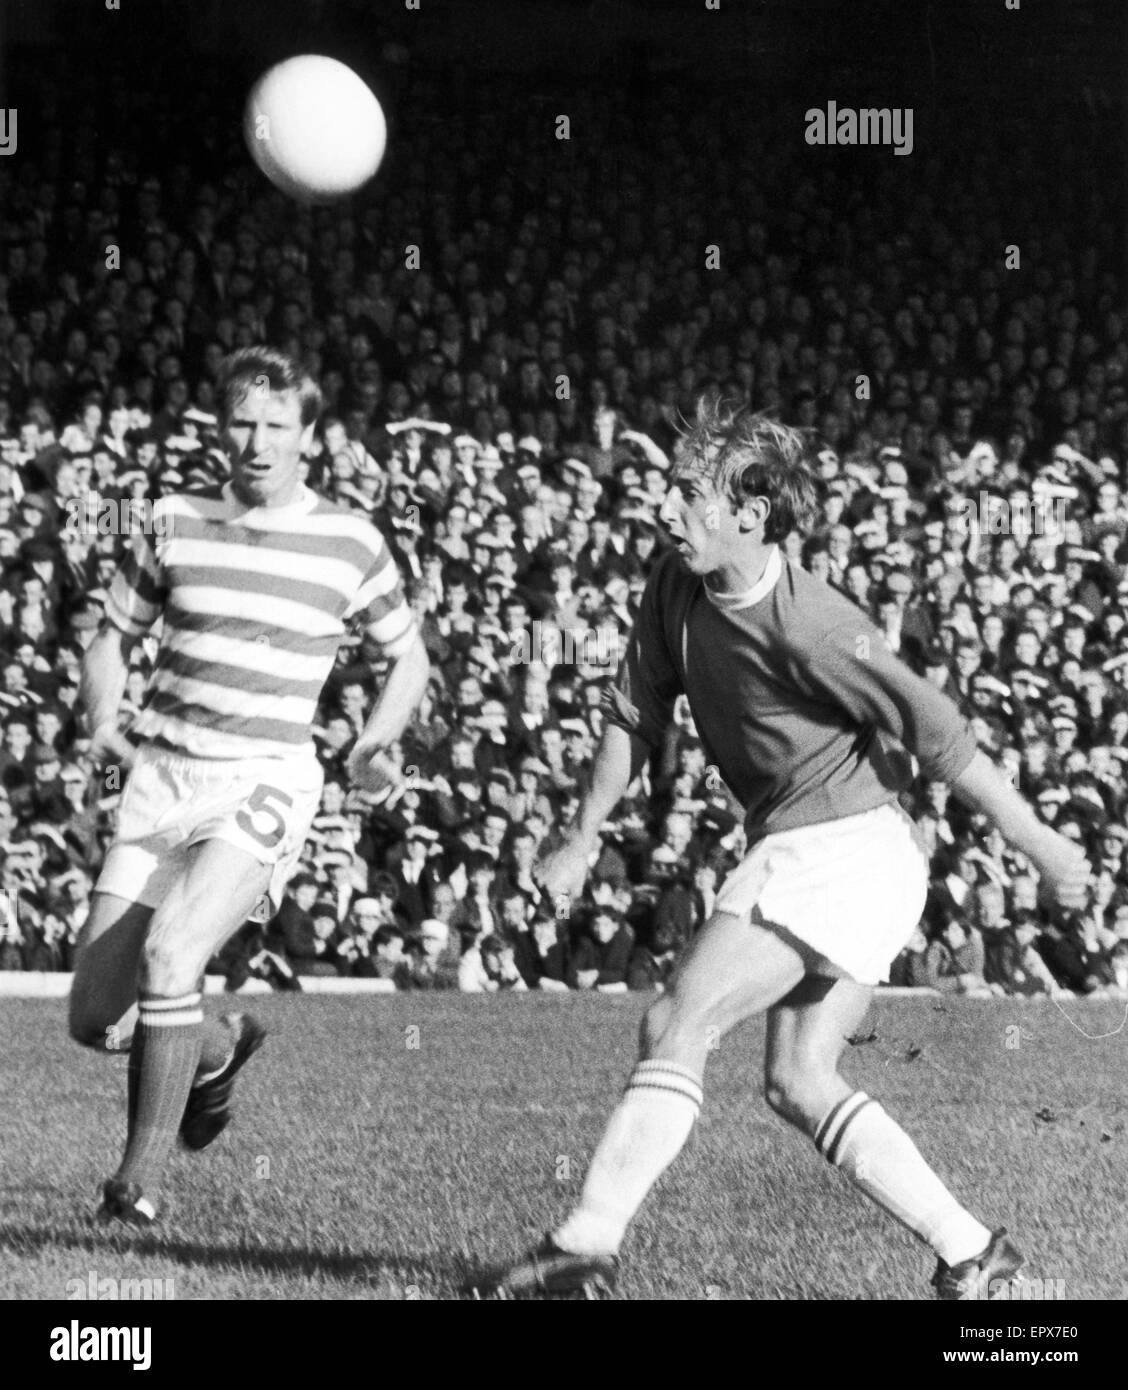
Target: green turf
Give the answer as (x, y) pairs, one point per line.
(361, 1166)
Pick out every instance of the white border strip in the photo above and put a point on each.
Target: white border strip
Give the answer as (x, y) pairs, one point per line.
(44, 984)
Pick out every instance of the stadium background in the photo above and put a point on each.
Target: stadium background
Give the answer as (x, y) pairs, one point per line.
(586, 258)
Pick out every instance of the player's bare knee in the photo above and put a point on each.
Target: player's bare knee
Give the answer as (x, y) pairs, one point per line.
(669, 1020)
(166, 971)
(680, 1032)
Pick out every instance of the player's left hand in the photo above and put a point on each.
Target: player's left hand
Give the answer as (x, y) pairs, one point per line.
(1064, 871)
(372, 770)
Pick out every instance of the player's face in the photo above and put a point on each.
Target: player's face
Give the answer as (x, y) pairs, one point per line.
(264, 438)
(704, 525)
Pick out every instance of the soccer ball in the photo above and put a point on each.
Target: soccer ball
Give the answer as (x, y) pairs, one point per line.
(314, 128)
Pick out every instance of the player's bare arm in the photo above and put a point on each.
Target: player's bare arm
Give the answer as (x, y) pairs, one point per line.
(104, 672)
(618, 761)
(399, 698)
(1060, 862)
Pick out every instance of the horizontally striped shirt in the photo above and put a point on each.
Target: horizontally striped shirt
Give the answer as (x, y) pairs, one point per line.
(254, 602)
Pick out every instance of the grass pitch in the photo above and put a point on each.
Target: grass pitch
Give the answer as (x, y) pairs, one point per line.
(387, 1147)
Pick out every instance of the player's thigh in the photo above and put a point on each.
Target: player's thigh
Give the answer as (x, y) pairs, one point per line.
(207, 903)
(733, 969)
(107, 959)
(807, 1033)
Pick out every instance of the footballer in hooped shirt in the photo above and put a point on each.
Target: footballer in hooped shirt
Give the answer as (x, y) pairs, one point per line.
(254, 583)
(791, 689)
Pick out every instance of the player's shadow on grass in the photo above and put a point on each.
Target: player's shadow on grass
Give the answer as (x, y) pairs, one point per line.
(370, 1267)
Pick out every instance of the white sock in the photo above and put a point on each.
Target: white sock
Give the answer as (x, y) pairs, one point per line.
(644, 1135)
(873, 1150)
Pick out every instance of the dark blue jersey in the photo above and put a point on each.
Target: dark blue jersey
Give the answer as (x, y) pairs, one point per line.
(790, 687)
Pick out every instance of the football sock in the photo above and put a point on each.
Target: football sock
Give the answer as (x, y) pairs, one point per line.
(859, 1138)
(217, 1045)
(644, 1135)
(162, 1063)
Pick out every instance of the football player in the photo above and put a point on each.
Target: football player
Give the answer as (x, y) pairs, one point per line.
(792, 690)
(254, 583)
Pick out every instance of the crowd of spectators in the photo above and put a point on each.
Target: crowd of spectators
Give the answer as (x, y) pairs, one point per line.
(502, 403)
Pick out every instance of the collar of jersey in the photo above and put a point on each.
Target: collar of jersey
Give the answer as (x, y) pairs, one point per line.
(761, 589)
(303, 504)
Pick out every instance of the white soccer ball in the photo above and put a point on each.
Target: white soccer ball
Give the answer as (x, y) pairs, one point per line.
(314, 128)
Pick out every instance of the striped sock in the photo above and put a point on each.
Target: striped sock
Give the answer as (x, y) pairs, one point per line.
(872, 1149)
(644, 1135)
(162, 1063)
(217, 1043)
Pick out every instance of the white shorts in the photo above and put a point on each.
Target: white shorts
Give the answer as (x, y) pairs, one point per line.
(852, 890)
(171, 802)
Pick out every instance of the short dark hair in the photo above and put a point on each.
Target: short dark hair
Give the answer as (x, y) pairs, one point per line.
(248, 366)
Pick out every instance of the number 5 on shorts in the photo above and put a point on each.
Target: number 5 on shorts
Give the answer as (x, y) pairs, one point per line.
(258, 804)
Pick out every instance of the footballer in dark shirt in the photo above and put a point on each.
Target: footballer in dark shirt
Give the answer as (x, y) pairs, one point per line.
(811, 722)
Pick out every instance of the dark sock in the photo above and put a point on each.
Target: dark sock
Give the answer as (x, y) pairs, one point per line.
(162, 1063)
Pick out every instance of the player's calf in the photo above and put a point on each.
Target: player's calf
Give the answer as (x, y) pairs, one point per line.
(803, 1092)
(101, 1011)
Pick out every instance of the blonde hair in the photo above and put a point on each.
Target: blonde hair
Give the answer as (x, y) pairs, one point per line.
(748, 455)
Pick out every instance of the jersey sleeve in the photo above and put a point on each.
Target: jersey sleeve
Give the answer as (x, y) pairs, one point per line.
(138, 591)
(850, 665)
(641, 698)
(380, 606)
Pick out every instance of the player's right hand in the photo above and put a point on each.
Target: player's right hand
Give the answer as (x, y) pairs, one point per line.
(562, 873)
(109, 747)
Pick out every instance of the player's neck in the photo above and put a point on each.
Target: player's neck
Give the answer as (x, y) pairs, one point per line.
(742, 573)
(286, 498)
